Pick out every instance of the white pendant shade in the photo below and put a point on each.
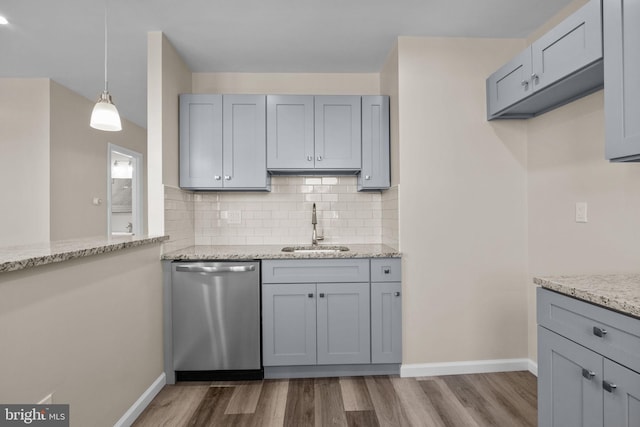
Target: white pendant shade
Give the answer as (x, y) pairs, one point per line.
(105, 115)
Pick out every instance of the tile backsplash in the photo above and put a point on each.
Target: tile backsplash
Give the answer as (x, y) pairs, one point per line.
(282, 216)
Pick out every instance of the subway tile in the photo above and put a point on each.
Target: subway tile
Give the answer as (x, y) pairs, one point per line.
(329, 180)
(313, 181)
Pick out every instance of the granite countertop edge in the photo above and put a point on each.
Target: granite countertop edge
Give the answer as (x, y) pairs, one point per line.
(14, 258)
(617, 292)
(201, 253)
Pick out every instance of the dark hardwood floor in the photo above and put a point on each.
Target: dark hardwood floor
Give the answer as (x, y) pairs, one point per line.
(507, 399)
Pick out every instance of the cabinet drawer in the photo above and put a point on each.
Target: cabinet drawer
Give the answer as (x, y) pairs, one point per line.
(313, 271)
(581, 322)
(385, 269)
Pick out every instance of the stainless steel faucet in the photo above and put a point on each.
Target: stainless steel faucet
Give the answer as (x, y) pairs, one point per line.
(314, 222)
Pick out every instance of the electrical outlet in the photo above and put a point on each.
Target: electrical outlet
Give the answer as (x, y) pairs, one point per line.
(234, 217)
(47, 400)
(581, 212)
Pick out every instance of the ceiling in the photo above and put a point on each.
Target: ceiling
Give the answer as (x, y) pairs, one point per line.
(63, 39)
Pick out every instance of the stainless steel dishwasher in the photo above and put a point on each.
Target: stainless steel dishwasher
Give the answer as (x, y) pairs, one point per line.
(216, 320)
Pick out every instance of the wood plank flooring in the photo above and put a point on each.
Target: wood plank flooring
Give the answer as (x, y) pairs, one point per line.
(506, 399)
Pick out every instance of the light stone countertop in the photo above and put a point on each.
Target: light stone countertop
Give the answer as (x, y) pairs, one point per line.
(14, 258)
(198, 253)
(620, 292)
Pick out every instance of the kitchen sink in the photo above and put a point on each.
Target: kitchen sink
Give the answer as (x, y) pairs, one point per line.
(315, 249)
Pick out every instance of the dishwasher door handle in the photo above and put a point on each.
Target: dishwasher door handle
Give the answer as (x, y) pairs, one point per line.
(227, 269)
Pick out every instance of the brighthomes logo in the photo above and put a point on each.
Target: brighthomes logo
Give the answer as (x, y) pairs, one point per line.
(26, 416)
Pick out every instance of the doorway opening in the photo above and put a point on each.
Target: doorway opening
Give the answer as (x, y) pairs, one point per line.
(124, 192)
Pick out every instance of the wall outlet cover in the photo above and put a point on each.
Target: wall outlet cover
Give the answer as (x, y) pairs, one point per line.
(581, 212)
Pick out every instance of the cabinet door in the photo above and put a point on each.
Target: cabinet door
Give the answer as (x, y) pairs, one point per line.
(375, 174)
(289, 324)
(569, 47)
(386, 323)
(343, 323)
(568, 394)
(200, 141)
(622, 404)
(290, 132)
(622, 86)
(510, 83)
(337, 132)
(244, 142)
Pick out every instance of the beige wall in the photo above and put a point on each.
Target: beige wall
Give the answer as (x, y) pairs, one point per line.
(167, 77)
(567, 165)
(79, 158)
(24, 171)
(288, 83)
(462, 205)
(88, 330)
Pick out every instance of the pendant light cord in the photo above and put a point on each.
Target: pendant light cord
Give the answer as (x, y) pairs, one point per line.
(106, 45)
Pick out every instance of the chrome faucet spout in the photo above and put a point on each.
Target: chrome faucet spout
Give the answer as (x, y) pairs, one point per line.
(314, 222)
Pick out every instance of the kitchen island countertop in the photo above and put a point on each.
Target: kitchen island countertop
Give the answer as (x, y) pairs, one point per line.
(14, 258)
(620, 292)
(246, 252)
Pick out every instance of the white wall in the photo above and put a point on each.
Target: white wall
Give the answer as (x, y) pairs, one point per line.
(167, 77)
(87, 330)
(24, 170)
(462, 205)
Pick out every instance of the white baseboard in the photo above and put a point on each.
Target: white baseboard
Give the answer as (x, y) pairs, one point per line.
(143, 401)
(467, 367)
(533, 367)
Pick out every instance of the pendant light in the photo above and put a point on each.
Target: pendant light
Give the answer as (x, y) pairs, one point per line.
(105, 114)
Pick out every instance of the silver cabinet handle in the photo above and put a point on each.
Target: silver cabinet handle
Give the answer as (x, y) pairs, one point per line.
(588, 374)
(202, 269)
(535, 78)
(599, 332)
(610, 387)
(367, 177)
(310, 295)
(321, 295)
(525, 83)
(217, 177)
(397, 294)
(309, 158)
(319, 158)
(386, 270)
(227, 178)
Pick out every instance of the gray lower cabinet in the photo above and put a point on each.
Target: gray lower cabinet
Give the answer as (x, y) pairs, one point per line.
(622, 68)
(343, 335)
(289, 324)
(223, 142)
(588, 364)
(386, 322)
(567, 396)
(328, 312)
(375, 173)
(567, 60)
(622, 403)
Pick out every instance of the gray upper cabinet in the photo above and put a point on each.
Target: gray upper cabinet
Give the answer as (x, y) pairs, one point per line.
(343, 323)
(375, 174)
(561, 66)
(290, 137)
(200, 141)
(223, 142)
(244, 150)
(337, 132)
(622, 68)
